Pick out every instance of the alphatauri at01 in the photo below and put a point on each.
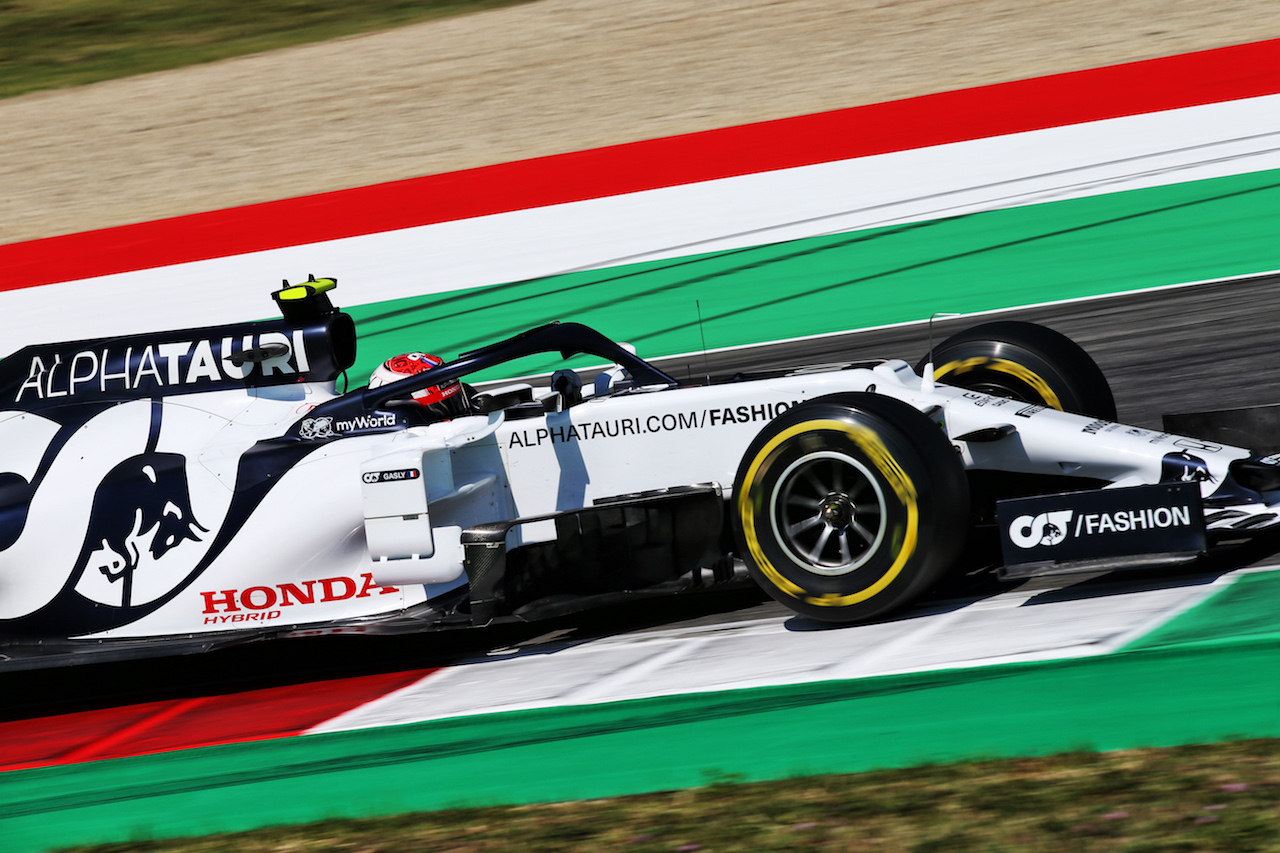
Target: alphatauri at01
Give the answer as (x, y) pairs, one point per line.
(178, 491)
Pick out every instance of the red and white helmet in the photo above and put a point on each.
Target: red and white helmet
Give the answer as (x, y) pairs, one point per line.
(445, 400)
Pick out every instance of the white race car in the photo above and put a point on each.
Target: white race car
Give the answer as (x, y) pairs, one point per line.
(175, 492)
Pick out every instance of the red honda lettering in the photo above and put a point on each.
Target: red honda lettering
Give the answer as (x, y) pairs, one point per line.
(228, 600)
(287, 589)
(369, 585)
(246, 597)
(331, 594)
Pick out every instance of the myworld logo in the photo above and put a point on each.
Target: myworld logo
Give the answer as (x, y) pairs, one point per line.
(327, 427)
(385, 419)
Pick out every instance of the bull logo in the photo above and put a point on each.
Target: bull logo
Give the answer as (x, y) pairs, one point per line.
(1182, 467)
(114, 520)
(141, 511)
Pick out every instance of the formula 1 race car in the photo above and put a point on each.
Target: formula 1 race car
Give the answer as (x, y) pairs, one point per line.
(175, 492)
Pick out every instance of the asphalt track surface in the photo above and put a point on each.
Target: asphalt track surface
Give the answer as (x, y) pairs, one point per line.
(1185, 349)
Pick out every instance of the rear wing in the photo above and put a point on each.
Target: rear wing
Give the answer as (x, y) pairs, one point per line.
(313, 341)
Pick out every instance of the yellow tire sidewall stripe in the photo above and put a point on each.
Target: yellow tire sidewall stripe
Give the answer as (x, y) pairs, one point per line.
(1001, 365)
(875, 450)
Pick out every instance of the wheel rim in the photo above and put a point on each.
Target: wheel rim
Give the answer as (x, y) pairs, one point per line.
(828, 513)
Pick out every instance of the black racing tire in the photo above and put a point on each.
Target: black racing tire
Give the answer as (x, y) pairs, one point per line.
(1027, 362)
(878, 477)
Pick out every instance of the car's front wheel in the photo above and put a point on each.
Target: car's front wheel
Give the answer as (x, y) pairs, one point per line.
(850, 506)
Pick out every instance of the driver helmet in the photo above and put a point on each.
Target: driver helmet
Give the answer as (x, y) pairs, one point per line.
(444, 401)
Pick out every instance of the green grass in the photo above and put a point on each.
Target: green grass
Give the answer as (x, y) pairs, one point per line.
(1221, 797)
(50, 44)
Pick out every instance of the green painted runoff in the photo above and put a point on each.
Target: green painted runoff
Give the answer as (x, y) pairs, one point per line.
(1245, 609)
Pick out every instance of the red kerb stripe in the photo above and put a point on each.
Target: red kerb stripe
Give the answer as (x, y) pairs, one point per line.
(186, 723)
(1212, 76)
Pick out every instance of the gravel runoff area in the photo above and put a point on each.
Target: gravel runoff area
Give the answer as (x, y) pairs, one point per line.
(547, 77)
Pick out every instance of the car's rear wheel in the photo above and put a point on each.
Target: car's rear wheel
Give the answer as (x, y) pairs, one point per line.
(1027, 362)
(849, 506)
